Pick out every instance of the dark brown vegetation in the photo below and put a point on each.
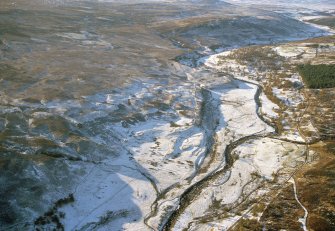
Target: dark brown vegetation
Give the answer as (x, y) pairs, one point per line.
(248, 225)
(316, 187)
(258, 57)
(282, 212)
(325, 39)
(315, 183)
(321, 112)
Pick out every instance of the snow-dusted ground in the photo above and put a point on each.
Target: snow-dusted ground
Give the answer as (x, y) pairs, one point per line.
(302, 220)
(269, 155)
(268, 107)
(104, 190)
(258, 160)
(238, 119)
(171, 150)
(155, 154)
(167, 149)
(166, 141)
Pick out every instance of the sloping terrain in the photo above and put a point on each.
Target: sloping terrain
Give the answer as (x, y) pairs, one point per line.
(109, 120)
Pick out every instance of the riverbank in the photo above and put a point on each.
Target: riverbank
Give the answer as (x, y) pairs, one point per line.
(290, 100)
(110, 120)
